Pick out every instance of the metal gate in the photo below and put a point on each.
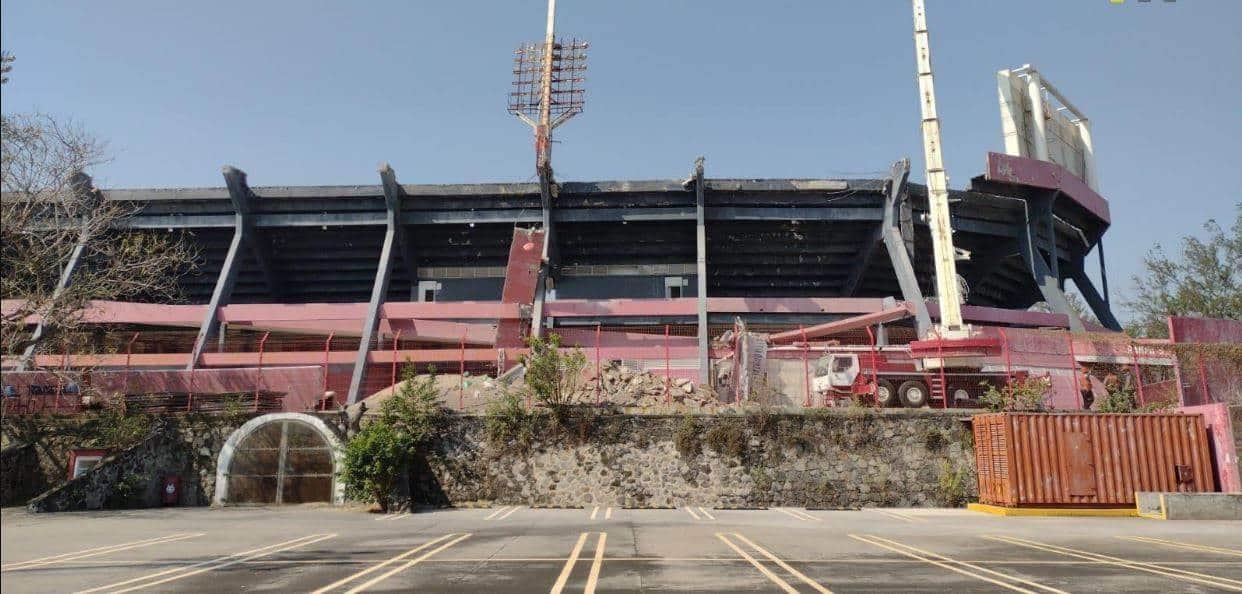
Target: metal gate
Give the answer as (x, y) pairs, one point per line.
(280, 462)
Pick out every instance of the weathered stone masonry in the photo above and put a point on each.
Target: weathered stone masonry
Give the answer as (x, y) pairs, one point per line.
(829, 460)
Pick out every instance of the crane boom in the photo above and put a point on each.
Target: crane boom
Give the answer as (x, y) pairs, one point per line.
(937, 186)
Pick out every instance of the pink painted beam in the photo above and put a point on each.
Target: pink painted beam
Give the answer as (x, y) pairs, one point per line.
(440, 331)
(1012, 169)
(808, 305)
(588, 308)
(585, 338)
(853, 323)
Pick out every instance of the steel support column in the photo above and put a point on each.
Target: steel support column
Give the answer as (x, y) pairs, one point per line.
(550, 259)
(1047, 277)
(700, 249)
(393, 193)
(379, 289)
(896, 192)
(1098, 304)
(243, 238)
(80, 184)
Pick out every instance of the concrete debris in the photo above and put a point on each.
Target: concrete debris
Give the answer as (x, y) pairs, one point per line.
(622, 386)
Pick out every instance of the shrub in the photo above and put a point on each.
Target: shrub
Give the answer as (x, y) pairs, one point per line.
(935, 440)
(119, 429)
(727, 439)
(127, 493)
(687, 438)
(407, 424)
(953, 482)
(374, 460)
(552, 377)
(507, 420)
(1026, 394)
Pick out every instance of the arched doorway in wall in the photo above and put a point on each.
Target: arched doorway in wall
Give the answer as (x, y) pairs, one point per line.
(280, 458)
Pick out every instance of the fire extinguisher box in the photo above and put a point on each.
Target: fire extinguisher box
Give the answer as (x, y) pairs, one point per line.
(170, 490)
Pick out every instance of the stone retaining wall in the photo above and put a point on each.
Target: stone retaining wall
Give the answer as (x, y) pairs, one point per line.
(830, 459)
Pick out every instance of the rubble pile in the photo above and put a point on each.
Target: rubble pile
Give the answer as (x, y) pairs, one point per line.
(621, 386)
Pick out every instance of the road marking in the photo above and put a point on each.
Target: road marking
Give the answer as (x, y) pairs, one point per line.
(381, 565)
(569, 565)
(812, 583)
(897, 515)
(805, 517)
(598, 562)
(1184, 545)
(1181, 574)
(390, 517)
(704, 511)
(608, 514)
(104, 550)
(509, 513)
(147, 581)
(690, 510)
(951, 564)
(407, 564)
(782, 584)
(498, 512)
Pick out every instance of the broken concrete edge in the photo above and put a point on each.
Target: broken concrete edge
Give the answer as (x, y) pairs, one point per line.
(1188, 506)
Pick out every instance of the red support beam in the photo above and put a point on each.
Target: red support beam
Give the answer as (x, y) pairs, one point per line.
(853, 323)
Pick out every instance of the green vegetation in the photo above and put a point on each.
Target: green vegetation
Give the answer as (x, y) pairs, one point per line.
(1204, 280)
(507, 421)
(407, 423)
(954, 484)
(552, 377)
(1028, 394)
(127, 493)
(727, 439)
(687, 438)
(119, 429)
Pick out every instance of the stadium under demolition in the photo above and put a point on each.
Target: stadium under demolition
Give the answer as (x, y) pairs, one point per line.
(808, 292)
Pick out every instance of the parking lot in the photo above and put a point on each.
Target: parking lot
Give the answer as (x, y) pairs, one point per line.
(608, 549)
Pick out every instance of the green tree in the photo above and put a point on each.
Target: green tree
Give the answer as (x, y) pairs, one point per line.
(552, 377)
(407, 425)
(1204, 280)
(374, 460)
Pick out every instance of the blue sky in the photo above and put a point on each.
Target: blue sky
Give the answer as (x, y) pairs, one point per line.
(308, 92)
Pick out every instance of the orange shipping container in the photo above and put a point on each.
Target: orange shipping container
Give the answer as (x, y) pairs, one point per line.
(1088, 459)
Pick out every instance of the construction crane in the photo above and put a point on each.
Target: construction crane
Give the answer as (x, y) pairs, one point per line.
(945, 255)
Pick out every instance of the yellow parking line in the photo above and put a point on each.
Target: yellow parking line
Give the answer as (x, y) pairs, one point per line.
(897, 515)
(594, 512)
(593, 577)
(569, 565)
(705, 513)
(1184, 545)
(510, 512)
(805, 517)
(608, 514)
(952, 565)
(407, 565)
(782, 584)
(381, 565)
(812, 583)
(690, 510)
(497, 512)
(147, 581)
(104, 550)
(389, 517)
(1217, 582)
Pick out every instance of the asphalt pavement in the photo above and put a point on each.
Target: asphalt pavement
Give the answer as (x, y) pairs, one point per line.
(517, 549)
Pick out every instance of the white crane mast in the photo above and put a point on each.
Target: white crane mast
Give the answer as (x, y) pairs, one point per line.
(937, 187)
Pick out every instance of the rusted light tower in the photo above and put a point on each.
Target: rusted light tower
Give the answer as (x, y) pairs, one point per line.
(547, 86)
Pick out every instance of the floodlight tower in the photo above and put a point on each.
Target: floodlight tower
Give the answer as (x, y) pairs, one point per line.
(943, 252)
(547, 92)
(547, 86)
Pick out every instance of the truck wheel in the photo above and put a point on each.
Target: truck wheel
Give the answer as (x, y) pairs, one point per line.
(913, 394)
(885, 394)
